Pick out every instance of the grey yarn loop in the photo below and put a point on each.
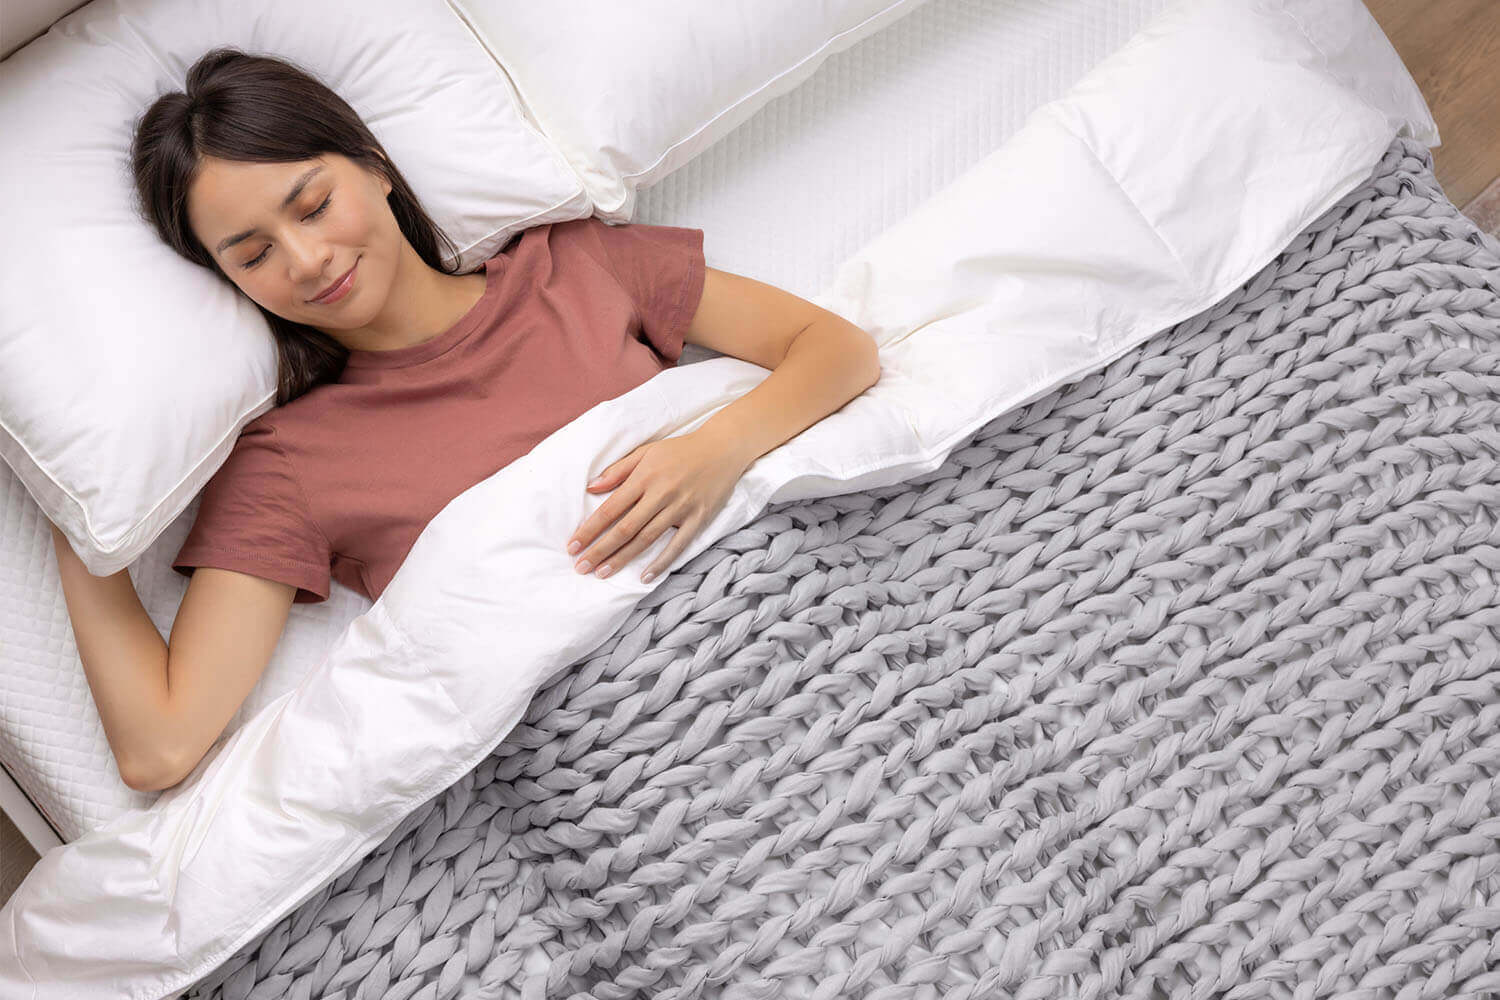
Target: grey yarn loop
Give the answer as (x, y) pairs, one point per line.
(1182, 681)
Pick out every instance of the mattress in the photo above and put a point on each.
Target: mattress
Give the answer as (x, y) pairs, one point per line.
(785, 198)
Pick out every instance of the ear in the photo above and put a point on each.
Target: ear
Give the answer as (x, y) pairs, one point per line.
(385, 182)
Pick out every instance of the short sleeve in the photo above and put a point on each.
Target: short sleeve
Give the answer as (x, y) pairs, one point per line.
(253, 518)
(662, 269)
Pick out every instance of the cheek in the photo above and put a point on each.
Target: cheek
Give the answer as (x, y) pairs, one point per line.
(373, 224)
(268, 292)
(374, 217)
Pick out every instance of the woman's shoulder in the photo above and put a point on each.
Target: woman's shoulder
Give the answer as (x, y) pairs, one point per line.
(256, 447)
(549, 251)
(567, 233)
(281, 426)
(311, 406)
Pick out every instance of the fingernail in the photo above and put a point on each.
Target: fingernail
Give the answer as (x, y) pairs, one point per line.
(583, 565)
(647, 576)
(573, 548)
(604, 571)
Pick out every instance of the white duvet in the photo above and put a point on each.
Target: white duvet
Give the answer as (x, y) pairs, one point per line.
(1168, 176)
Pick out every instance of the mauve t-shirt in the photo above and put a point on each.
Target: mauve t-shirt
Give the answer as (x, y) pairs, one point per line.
(339, 482)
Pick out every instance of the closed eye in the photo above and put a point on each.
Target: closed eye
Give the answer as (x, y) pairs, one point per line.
(311, 215)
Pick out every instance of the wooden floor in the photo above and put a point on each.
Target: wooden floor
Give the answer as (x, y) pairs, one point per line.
(1452, 48)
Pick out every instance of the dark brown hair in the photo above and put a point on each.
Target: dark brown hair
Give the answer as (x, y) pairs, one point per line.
(261, 109)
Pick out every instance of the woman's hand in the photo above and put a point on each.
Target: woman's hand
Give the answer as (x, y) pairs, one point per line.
(682, 481)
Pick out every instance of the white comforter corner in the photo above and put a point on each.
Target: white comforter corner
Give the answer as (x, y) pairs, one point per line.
(1175, 170)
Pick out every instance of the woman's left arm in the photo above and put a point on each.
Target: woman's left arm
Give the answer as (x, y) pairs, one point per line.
(819, 361)
(827, 364)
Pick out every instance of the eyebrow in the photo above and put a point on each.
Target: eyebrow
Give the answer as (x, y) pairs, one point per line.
(301, 183)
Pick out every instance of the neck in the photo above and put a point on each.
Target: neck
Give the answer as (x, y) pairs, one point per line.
(421, 304)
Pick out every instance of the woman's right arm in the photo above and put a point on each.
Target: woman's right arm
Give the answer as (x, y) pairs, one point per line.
(163, 704)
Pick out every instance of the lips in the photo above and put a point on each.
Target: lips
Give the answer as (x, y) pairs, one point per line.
(338, 288)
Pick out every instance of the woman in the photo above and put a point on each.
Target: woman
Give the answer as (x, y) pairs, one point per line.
(402, 384)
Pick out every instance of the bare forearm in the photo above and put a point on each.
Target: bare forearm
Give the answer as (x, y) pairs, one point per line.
(124, 657)
(830, 363)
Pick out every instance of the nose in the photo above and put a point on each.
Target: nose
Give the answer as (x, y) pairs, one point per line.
(309, 263)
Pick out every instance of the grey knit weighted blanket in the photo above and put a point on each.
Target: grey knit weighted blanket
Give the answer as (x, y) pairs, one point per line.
(1182, 681)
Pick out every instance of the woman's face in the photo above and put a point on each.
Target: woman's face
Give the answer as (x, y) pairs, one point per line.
(286, 232)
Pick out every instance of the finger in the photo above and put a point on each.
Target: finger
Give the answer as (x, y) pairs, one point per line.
(609, 479)
(685, 533)
(603, 479)
(642, 539)
(606, 545)
(616, 471)
(611, 509)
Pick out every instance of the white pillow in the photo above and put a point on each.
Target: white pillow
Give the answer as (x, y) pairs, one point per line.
(627, 102)
(127, 372)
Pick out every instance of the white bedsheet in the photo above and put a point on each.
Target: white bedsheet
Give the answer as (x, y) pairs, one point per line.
(1167, 177)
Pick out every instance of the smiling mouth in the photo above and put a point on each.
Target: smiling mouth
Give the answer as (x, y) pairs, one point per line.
(336, 290)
